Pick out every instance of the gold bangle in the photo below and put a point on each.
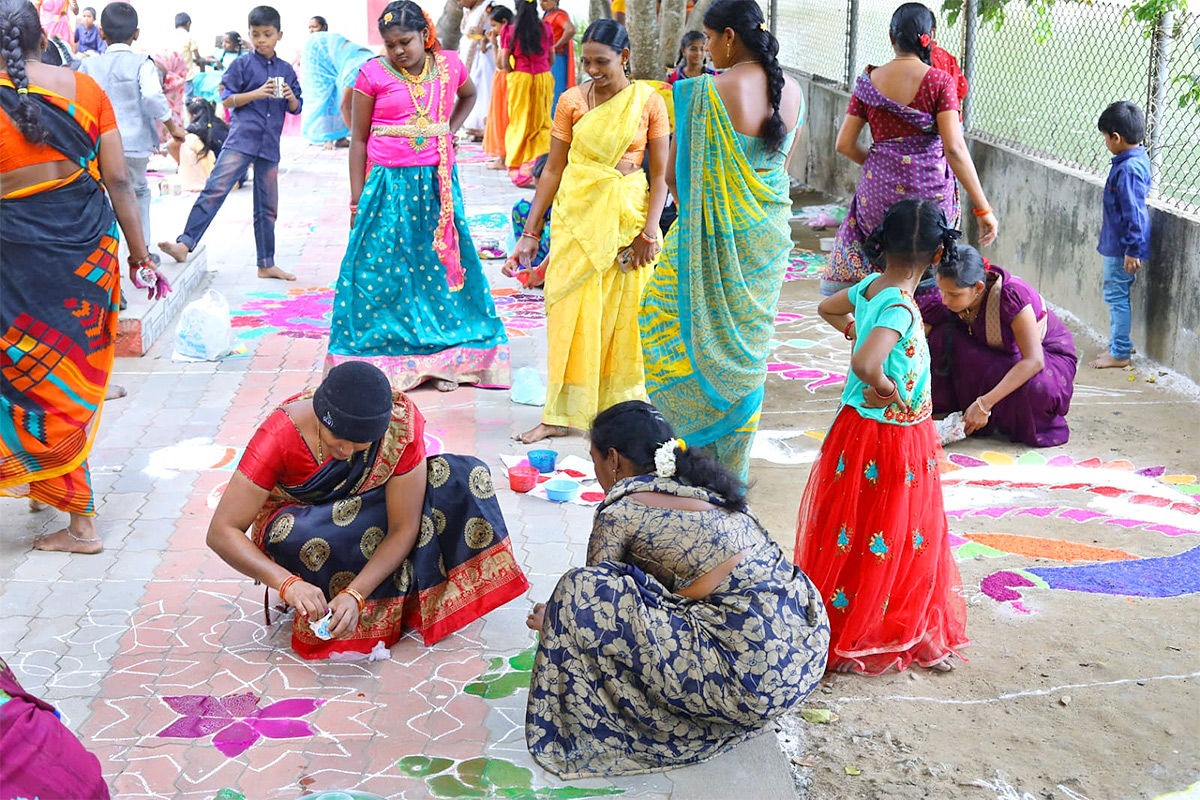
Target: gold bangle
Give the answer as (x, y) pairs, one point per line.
(362, 602)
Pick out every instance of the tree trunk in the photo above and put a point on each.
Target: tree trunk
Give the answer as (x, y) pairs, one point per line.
(671, 27)
(599, 9)
(449, 25)
(695, 20)
(645, 62)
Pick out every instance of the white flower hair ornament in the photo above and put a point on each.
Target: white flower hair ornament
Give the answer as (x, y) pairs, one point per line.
(664, 457)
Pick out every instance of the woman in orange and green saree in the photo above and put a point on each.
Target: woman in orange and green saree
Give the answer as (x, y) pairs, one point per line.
(348, 516)
(64, 193)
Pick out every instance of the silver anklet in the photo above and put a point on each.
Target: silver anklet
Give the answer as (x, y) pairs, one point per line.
(81, 539)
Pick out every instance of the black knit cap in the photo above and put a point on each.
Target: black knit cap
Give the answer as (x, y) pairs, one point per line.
(355, 402)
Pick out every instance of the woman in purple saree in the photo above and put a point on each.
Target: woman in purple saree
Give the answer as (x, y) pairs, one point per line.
(917, 151)
(998, 354)
(39, 756)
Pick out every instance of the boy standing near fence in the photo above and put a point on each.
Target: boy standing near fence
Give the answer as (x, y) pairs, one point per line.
(260, 87)
(1125, 230)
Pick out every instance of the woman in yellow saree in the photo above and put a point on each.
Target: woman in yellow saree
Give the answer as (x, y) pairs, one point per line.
(709, 311)
(606, 216)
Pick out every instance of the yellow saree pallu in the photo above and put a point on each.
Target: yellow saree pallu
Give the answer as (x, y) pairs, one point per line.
(595, 351)
(529, 122)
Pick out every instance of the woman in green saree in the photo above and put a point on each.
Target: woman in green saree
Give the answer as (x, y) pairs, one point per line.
(725, 256)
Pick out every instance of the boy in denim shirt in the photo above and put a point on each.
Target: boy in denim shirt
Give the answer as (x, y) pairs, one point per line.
(1125, 231)
(260, 87)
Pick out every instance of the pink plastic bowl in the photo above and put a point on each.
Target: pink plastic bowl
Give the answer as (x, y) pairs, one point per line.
(523, 479)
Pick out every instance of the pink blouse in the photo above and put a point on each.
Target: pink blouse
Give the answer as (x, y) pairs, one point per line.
(533, 63)
(395, 139)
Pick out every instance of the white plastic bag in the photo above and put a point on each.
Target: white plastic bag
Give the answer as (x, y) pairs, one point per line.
(205, 331)
(951, 429)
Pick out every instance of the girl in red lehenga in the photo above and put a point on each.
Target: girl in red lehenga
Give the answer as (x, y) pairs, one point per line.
(872, 533)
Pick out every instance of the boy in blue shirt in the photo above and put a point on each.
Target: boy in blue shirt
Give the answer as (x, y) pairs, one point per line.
(1125, 231)
(260, 87)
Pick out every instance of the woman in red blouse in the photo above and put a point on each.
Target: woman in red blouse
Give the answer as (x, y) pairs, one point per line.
(917, 148)
(347, 516)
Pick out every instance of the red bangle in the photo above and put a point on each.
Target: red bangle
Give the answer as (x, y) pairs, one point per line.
(648, 240)
(283, 587)
(358, 598)
(981, 212)
(889, 395)
(846, 332)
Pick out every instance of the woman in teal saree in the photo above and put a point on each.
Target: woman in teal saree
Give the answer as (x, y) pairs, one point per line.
(724, 258)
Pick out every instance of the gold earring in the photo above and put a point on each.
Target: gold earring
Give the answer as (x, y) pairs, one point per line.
(729, 51)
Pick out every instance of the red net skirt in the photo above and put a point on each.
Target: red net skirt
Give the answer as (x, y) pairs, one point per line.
(873, 538)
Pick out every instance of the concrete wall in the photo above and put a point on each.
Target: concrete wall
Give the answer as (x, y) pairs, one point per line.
(1049, 223)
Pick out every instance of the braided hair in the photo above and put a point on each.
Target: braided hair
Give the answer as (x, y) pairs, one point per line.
(911, 232)
(529, 31)
(746, 19)
(912, 30)
(408, 16)
(20, 36)
(636, 430)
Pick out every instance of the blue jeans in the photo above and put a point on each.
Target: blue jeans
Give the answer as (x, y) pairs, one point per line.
(1117, 283)
(231, 168)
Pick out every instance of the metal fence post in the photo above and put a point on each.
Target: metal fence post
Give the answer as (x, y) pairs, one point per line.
(774, 8)
(1160, 79)
(970, 32)
(851, 42)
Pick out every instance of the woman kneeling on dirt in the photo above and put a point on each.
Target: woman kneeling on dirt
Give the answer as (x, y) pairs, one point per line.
(999, 355)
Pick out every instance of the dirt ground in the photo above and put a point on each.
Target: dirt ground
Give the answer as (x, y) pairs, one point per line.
(1068, 694)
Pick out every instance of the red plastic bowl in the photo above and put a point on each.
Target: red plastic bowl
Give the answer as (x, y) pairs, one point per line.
(523, 479)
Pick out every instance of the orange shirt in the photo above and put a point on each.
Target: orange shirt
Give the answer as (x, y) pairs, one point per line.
(654, 124)
(91, 108)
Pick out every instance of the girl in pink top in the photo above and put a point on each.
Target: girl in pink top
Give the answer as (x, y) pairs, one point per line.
(530, 43)
(411, 297)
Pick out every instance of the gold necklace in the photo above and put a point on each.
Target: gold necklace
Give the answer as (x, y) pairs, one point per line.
(740, 63)
(320, 452)
(416, 84)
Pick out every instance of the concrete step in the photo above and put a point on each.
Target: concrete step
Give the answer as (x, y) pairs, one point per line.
(144, 321)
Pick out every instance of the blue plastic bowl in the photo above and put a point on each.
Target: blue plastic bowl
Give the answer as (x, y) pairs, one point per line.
(543, 460)
(561, 490)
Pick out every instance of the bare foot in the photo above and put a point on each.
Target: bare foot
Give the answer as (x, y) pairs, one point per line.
(329, 145)
(496, 163)
(543, 431)
(445, 386)
(36, 506)
(78, 537)
(176, 250)
(275, 272)
(115, 392)
(944, 664)
(845, 668)
(1106, 361)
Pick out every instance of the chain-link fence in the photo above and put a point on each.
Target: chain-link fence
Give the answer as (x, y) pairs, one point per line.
(1039, 94)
